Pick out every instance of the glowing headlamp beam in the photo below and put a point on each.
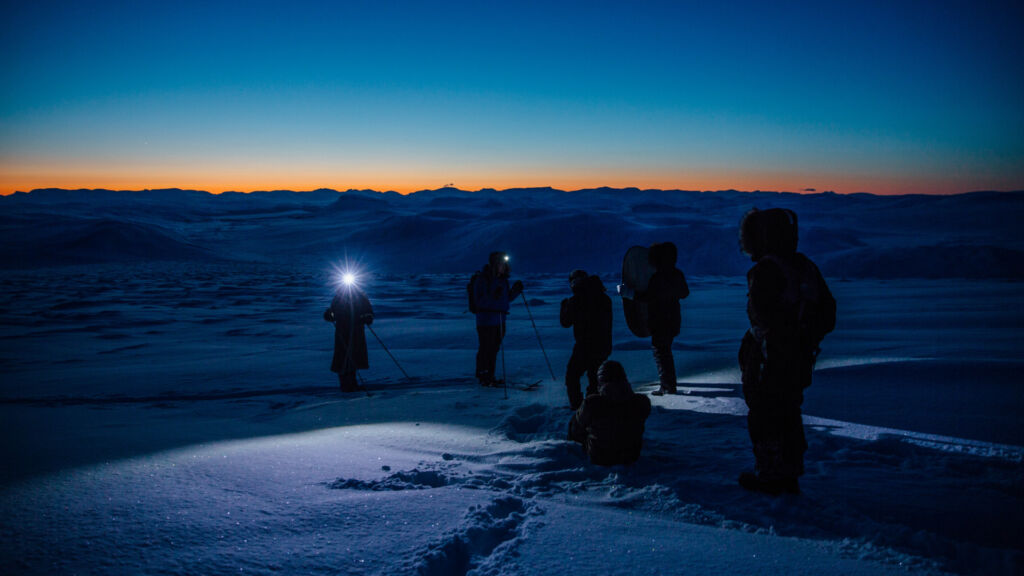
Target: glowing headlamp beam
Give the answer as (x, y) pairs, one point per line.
(346, 274)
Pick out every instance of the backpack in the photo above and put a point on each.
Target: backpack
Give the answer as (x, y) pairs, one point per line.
(807, 293)
(471, 292)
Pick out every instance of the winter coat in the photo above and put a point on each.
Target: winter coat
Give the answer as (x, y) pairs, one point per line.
(610, 424)
(350, 310)
(665, 289)
(790, 309)
(589, 312)
(492, 295)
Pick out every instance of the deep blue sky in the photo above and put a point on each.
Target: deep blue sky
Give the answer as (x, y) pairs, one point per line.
(855, 96)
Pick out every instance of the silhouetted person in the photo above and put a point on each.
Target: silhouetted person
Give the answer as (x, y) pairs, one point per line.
(589, 313)
(610, 424)
(491, 296)
(665, 289)
(790, 309)
(350, 311)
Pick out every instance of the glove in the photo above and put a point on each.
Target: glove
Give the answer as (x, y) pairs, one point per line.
(518, 286)
(626, 291)
(367, 319)
(329, 315)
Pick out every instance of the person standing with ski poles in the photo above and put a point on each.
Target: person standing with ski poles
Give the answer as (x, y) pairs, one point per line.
(350, 311)
(489, 298)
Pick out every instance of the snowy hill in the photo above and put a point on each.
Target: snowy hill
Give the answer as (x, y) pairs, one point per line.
(166, 404)
(449, 230)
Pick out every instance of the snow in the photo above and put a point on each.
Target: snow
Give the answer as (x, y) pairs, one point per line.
(180, 418)
(973, 235)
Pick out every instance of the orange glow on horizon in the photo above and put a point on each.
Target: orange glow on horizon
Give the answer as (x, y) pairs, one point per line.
(406, 180)
(409, 189)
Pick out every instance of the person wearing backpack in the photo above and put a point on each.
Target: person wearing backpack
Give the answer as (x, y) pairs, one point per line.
(589, 313)
(665, 289)
(790, 309)
(489, 299)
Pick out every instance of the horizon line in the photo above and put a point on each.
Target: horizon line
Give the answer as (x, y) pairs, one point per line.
(807, 191)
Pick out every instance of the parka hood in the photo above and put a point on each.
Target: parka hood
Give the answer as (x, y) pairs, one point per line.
(772, 231)
(612, 382)
(663, 255)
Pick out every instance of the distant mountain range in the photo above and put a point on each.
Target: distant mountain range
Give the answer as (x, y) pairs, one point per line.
(973, 235)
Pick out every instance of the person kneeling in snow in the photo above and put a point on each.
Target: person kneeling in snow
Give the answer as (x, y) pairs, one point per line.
(610, 424)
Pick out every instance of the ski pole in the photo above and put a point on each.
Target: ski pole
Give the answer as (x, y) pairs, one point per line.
(388, 352)
(537, 332)
(504, 377)
(362, 382)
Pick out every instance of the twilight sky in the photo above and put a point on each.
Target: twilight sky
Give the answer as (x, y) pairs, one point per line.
(884, 97)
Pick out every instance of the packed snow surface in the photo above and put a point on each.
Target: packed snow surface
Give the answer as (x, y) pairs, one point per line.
(181, 419)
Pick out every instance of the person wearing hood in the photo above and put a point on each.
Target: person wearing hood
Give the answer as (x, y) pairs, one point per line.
(589, 313)
(491, 297)
(665, 289)
(790, 309)
(350, 311)
(610, 424)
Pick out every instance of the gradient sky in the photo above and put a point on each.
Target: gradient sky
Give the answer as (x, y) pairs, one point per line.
(883, 97)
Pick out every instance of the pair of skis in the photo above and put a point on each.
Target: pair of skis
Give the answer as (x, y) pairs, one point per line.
(529, 387)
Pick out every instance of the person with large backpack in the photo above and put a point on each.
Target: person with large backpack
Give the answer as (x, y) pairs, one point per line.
(589, 313)
(790, 309)
(666, 288)
(489, 298)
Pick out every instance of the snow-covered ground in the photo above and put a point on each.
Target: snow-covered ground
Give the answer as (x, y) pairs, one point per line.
(181, 419)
